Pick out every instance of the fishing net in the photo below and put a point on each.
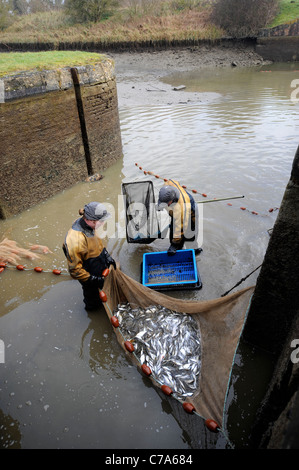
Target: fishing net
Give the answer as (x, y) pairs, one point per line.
(219, 324)
(142, 225)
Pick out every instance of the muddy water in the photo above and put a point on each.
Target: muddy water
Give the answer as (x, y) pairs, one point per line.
(65, 382)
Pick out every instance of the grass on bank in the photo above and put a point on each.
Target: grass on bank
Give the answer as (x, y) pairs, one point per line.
(288, 11)
(54, 27)
(19, 61)
(155, 24)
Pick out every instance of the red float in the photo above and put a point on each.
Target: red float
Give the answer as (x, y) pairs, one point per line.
(56, 271)
(146, 369)
(167, 390)
(188, 407)
(114, 321)
(212, 425)
(103, 296)
(105, 272)
(129, 346)
(1, 269)
(2, 265)
(20, 267)
(38, 269)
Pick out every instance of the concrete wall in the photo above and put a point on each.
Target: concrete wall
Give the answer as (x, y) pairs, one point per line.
(279, 44)
(272, 325)
(57, 127)
(278, 49)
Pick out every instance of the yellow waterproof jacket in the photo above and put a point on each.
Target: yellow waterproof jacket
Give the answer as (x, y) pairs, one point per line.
(182, 213)
(84, 251)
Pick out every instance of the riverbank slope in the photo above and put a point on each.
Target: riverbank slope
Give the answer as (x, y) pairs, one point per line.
(139, 74)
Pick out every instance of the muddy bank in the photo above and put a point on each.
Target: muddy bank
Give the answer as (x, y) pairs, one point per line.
(139, 74)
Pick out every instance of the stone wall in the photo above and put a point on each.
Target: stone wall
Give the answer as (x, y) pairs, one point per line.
(57, 127)
(286, 29)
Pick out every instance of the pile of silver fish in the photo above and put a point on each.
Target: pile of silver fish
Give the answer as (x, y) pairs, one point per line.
(166, 341)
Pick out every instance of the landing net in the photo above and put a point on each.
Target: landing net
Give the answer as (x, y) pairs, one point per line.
(219, 323)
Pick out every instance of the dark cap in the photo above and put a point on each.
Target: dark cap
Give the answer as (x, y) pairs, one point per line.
(96, 211)
(167, 194)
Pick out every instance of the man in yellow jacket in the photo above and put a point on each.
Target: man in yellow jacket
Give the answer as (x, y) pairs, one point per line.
(183, 213)
(85, 253)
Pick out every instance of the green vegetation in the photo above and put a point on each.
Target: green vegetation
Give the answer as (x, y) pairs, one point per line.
(90, 10)
(135, 21)
(145, 20)
(19, 61)
(288, 11)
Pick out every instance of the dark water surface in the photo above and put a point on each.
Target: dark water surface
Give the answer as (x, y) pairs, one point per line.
(65, 382)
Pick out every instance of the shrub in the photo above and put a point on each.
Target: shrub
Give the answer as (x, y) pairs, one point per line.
(243, 18)
(83, 11)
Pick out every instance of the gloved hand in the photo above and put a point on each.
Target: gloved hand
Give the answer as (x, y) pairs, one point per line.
(171, 250)
(97, 281)
(109, 259)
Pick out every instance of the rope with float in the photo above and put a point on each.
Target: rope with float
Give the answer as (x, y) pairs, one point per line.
(195, 191)
(37, 269)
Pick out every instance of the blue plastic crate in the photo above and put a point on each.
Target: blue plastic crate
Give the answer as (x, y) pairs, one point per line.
(163, 272)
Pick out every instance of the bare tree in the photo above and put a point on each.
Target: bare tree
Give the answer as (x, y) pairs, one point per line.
(241, 18)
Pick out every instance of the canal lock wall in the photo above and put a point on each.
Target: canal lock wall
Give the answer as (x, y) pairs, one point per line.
(279, 44)
(58, 127)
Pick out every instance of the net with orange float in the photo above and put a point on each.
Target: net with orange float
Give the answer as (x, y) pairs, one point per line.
(120, 288)
(204, 195)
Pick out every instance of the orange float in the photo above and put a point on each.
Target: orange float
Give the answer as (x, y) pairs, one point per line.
(188, 407)
(38, 269)
(212, 425)
(146, 369)
(114, 321)
(105, 272)
(129, 346)
(167, 390)
(103, 296)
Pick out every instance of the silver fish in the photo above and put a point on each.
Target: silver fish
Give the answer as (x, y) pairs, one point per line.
(167, 341)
